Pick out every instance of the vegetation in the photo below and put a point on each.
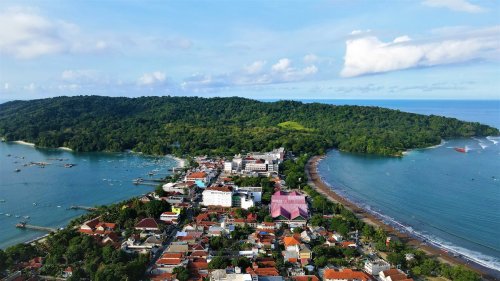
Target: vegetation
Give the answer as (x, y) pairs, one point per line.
(221, 126)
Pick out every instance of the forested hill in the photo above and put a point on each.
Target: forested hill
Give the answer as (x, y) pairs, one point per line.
(178, 125)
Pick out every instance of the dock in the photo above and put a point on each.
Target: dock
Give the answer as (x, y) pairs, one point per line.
(82, 208)
(24, 225)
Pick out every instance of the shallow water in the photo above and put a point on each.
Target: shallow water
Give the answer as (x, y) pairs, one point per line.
(44, 194)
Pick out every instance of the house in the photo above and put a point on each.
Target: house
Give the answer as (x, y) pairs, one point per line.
(169, 261)
(68, 272)
(147, 224)
(169, 217)
(393, 275)
(290, 208)
(222, 275)
(89, 226)
(376, 266)
(305, 278)
(197, 176)
(345, 275)
(217, 196)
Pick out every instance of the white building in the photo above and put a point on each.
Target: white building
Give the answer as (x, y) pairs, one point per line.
(376, 266)
(217, 196)
(254, 191)
(222, 275)
(246, 202)
(170, 217)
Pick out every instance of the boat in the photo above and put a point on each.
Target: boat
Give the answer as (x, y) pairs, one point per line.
(69, 165)
(26, 217)
(17, 170)
(460, 149)
(8, 215)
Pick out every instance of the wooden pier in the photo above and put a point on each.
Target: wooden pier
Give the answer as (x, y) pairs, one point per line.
(82, 208)
(24, 225)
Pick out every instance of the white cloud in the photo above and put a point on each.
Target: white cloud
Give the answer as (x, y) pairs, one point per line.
(282, 65)
(312, 69)
(401, 39)
(152, 79)
(310, 58)
(455, 5)
(79, 75)
(358, 31)
(255, 67)
(25, 34)
(6, 86)
(370, 55)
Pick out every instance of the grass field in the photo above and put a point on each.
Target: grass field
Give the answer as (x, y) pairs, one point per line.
(292, 125)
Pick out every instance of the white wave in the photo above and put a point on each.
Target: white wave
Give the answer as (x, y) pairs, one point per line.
(474, 256)
(494, 140)
(480, 143)
(443, 142)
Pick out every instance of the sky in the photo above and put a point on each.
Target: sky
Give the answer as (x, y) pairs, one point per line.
(329, 49)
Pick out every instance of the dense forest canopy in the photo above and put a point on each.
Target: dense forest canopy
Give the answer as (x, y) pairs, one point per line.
(224, 126)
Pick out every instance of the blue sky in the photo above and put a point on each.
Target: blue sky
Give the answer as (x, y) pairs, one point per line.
(335, 49)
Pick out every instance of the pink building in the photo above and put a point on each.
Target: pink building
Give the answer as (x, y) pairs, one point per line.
(289, 207)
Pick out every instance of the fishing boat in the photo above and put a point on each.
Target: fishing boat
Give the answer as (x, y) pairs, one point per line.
(17, 170)
(460, 149)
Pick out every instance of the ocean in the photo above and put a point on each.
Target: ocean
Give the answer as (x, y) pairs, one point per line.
(42, 196)
(451, 199)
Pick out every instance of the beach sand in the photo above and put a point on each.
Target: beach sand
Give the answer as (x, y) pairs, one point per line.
(316, 182)
(24, 143)
(65, 148)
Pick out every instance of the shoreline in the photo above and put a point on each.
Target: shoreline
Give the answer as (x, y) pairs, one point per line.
(180, 163)
(315, 181)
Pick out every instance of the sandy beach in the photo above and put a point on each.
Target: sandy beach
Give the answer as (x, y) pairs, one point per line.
(65, 148)
(316, 182)
(24, 143)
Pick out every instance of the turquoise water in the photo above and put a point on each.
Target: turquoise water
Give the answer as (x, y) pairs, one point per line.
(450, 198)
(44, 194)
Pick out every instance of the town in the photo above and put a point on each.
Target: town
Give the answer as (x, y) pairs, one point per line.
(252, 217)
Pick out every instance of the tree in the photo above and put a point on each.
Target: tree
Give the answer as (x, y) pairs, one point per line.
(182, 273)
(156, 207)
(218, 262)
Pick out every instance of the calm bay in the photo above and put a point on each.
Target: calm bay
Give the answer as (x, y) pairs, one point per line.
(42, 196)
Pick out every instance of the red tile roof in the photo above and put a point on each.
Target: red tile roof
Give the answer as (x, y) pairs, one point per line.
(345, 274)
(197, 175)
(147, 223)
(305, 278)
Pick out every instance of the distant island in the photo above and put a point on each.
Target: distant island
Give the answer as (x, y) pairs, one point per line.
(222, 126)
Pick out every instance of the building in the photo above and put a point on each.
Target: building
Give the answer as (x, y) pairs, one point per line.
(290, 208)
(197, 176)
(169, 217)
(376, 266)
(345, 275)
(254, 191)
(147, 224)
(222, 275)
(393, 275)
(261, 163)
(217, 196)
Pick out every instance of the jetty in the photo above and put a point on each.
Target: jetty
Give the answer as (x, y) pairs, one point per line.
(24, 225)
(86, 208)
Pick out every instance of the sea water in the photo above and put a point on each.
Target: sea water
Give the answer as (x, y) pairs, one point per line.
(451, 199)
(42, 196)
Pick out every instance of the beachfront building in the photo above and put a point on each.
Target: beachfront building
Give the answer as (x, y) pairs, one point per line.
(394, 275)
(290, 208)
(376, 266)
(197, 177)
(217, 196)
